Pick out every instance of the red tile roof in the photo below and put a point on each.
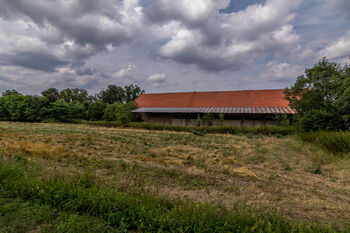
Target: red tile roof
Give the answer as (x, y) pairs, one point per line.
(214, 99)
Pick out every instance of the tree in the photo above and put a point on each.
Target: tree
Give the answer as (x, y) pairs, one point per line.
(10, 92)
(132, 92)
(321, 97)
(51, 94)
(74, 95)
(124, 112)
(60, 110)
(112, 94)
(34, 106)
(96, 110)
(110, 112)
(115, 93)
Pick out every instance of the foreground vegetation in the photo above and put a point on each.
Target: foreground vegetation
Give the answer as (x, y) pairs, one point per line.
(89, 207)
(79, 178)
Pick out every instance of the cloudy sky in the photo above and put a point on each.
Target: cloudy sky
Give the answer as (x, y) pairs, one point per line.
(167, 45)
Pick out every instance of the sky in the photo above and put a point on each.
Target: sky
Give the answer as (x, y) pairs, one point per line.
(167, 45)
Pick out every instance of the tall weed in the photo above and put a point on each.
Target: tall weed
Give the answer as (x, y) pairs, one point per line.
(335, 142)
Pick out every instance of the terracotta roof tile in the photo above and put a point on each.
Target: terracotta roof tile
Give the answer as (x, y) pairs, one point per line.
(250, 98)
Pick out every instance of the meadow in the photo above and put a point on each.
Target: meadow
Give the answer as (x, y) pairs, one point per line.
(86, 178)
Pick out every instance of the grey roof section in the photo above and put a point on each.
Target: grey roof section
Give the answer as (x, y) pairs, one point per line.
(226, 110)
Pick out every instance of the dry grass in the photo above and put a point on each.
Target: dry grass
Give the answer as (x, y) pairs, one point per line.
(271, 172)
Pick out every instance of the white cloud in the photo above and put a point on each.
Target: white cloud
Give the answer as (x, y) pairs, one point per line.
(157, 79)
(275, 71)
(338, 49)
(126, 71)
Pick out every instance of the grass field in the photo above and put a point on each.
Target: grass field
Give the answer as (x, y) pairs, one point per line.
(267, 173)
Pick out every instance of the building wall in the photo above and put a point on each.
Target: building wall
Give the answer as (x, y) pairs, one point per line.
(190, 120)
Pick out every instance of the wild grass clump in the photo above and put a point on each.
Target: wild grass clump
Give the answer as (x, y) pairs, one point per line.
(335, 142)
(133, 212)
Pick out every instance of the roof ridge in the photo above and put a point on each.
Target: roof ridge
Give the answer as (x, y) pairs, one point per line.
(188, 92)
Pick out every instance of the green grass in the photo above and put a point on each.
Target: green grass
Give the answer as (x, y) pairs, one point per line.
(18, 215)
(76, 204)
(304, 180)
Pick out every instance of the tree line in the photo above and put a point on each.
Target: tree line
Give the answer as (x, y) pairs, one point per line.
(321, 97)
(114, 103)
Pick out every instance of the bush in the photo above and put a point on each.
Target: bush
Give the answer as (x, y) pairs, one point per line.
(335, 142)
(208, 119)
(221, 118)
(199, 120)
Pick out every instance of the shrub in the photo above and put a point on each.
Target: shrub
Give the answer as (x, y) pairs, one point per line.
(208, 119)
(221, 118)
(335, 142)
(199, 120)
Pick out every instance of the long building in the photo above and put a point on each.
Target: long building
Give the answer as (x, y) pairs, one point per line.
(242, 108)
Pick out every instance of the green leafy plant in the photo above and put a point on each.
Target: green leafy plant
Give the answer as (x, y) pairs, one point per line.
(199, 120)
(208, 119)
(221, 118)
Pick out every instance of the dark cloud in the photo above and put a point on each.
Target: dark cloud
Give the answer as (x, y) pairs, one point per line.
(193, 14)
(342, 6)
(91, 41)
(221, 42)
(90, 25)
(34, 60)
(86, 71)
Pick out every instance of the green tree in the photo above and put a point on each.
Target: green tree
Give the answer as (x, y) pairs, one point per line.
(60, 111)
(74, 95)
(132, 92)
(33, 108)
(10, 92)
(112, 94)
(4, 113)
(124, 112)
(320, 97)
(110, 112)
(96, 110)
(51, 94)
(15, 106)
